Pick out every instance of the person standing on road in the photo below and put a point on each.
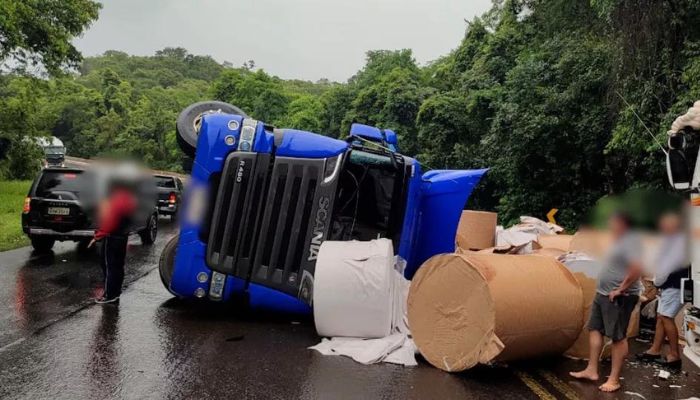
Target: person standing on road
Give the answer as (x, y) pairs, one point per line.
(671, 266)
(115, 217)
(616, 296)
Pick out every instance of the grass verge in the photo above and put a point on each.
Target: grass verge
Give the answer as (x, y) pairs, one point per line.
(12, 194)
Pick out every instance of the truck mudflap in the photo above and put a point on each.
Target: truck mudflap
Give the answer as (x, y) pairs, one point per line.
(270, 217)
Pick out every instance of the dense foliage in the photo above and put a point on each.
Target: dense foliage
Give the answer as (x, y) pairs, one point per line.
(544, 92)
(38, 33)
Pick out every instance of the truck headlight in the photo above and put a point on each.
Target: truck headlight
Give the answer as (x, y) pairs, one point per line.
(245, 141)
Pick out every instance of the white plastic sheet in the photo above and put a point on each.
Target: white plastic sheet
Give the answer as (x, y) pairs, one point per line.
(395, 349)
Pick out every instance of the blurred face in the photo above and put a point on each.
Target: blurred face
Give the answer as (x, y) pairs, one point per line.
(618, 225)
(670, 224)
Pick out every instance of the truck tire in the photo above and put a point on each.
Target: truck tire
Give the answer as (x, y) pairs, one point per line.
(42, 244)
(188, 123)
(148, 234)
(166, 264)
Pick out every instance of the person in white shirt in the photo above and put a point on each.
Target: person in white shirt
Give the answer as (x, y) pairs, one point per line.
(671, 266)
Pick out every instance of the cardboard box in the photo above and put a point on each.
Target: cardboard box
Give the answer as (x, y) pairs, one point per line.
(476, 230)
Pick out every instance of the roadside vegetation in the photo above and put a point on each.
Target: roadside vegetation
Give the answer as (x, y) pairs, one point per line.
(12, 194)
(544, 92)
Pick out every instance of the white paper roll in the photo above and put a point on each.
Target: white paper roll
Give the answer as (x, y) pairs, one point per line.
(354, 289)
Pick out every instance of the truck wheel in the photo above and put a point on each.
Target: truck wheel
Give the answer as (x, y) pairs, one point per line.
(148, 235)
(190, 120)
(42, 244)
(166, 265)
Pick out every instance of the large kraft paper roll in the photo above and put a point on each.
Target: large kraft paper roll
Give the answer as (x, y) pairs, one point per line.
(465, 309)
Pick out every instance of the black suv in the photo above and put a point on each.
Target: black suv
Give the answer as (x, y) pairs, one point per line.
(169, 194)
(62, 205)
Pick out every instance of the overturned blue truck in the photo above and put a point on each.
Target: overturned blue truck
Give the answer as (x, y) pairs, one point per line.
(261, 200)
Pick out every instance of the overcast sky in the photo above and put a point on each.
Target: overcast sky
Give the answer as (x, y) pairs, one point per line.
(304, 39)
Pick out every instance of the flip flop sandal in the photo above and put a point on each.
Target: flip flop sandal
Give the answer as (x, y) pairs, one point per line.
(672, 365)
(646, 357)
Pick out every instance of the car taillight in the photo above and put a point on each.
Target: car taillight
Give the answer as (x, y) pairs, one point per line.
(172, 198)
(27, 205)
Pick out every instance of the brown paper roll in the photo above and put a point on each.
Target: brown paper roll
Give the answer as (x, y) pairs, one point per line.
(549, 252)
(561, 242)
(465, 309)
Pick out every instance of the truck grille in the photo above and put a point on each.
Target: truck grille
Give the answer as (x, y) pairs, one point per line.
(264, 219)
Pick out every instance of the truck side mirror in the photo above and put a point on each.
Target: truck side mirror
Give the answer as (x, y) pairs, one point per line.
(678, 169)
(681, 160)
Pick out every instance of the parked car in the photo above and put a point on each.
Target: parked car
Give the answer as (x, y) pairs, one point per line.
(169, 194)
(261, 201)
(62, 205)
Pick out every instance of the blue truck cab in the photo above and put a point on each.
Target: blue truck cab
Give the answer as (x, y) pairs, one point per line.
(261, 201)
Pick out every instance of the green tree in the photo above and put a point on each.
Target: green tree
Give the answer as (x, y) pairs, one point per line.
(40, 32)
(23, 118)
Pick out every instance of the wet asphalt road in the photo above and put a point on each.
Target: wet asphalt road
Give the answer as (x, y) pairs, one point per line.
(56, 344)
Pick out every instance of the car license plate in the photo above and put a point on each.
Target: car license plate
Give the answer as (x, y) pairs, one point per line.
(59, 211)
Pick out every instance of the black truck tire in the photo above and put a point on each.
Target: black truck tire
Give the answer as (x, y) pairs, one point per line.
(166, 264)
(42, 244)
(149, 233)
(189, 120)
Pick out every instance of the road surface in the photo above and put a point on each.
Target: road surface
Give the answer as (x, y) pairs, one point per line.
(56, 344)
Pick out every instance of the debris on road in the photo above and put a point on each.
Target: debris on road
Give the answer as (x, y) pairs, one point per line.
(360, 301)
(476, 232)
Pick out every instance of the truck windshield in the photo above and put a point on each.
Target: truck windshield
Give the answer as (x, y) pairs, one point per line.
(77, 183)
(54, 150)
(165, 182)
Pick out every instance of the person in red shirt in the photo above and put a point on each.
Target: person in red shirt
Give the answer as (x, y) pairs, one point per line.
(114, 219)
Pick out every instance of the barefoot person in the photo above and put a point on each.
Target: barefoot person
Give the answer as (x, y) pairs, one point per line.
(671, 266)
(617, 294)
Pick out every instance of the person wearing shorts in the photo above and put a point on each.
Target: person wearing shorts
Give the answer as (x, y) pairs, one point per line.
(617, 294)
(671, 266)
(612, 318)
